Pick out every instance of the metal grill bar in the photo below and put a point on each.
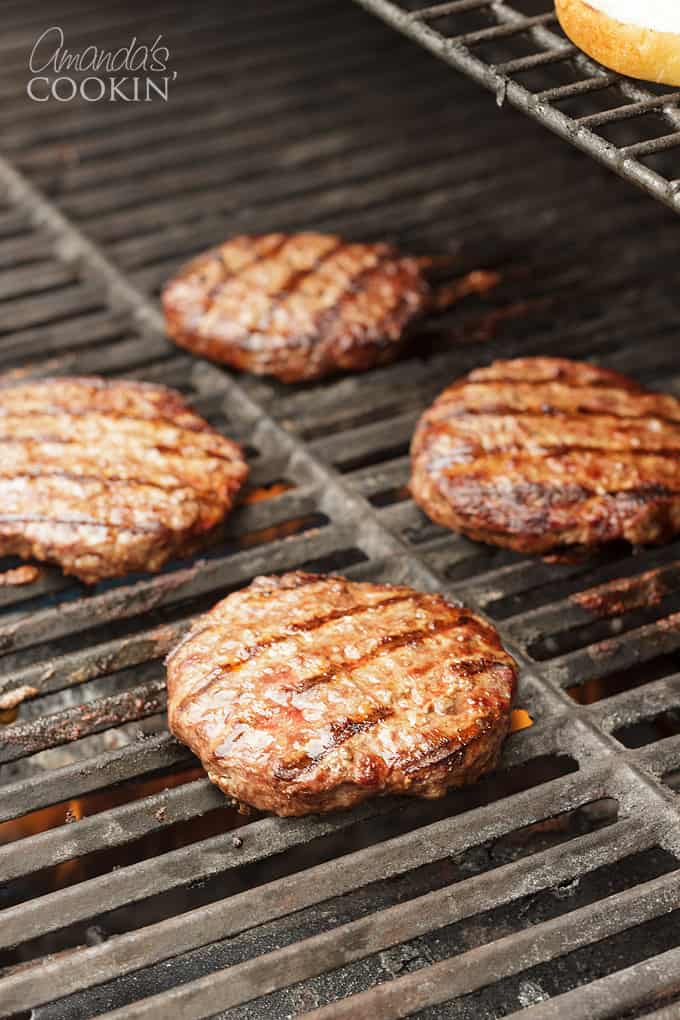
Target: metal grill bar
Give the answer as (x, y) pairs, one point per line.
(75, 723)
(441, 10)
(665, 1013)
(507, 956)
(123, 602)
(276, 899)
(627, 989)
(172, 870)
(652, 145)
(496, 76)
(504, 31)
(444, 980)
(79, 668)
(103, 770)
(637, 646)
(631, 110)
(546, 59)
(658, 757)
(637, 704)
(115, 827)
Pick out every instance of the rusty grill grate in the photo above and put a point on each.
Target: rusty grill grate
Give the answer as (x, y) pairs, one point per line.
(128, 887)
(518, 51)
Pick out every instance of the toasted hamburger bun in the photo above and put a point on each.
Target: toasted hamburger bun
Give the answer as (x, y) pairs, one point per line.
(640, 38)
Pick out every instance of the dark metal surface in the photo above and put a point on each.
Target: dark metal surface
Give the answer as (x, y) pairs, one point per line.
(163, 902)
(502, 45)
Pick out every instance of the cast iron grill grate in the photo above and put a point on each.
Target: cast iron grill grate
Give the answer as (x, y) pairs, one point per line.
(518, 51)
(128, 887)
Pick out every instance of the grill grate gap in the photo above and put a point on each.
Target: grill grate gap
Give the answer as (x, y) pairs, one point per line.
(514, 846)
(489, 926)
(590, 691)
(539, 984)
(658, 727)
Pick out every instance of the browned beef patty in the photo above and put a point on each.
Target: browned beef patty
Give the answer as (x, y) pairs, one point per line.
(107, 478)
(307, 693)
(541, 454)
(296, 306)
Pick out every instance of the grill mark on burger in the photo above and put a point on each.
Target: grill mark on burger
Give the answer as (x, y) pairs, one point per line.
(551, 496)
(389, 643)
(563, 449)
(341, 731)
(268, 743)
(549, 411)
(233, 274)
(344, 729)
(436, 752)
(297, 278)
(562, 379)
(468, 668)
(326, 320)
(405, 297)
(95, 414)
(305, 626)
(56, 411)
(301, 581)
(132, 482)
(347, 728)
(139, 440)
(76, 522)
(633, 451)
(75, 398)
(153, 392)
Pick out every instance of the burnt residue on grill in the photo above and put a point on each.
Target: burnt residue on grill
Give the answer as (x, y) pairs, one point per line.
(479, 281)
(629, 593)
(13, 698)
(19, 576)
(483, 328)
(21, 739)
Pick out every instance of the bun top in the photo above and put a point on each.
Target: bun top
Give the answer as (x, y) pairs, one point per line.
(659, 15)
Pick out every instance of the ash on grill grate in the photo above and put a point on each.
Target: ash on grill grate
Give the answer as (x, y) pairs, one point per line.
(501, 923)
(380, 895)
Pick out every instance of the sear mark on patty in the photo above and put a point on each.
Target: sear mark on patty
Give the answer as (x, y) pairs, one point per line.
(539, 454)
(306, 693)
(107, 478)
(297, 307)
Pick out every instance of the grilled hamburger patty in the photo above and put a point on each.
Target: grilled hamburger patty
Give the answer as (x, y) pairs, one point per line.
(539, 454)
(296, 306)
(306, 693)
(105, 478)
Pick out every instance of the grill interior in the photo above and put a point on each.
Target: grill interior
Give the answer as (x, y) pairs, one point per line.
(129, 887)
(518, 51)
